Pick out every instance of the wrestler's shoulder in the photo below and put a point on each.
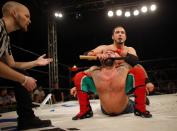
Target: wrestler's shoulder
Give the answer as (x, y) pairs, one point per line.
(104, 46)
(109, 45)
(129, 47)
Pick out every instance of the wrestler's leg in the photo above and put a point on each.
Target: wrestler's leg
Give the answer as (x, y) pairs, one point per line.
(83, 97)
(129, 87)
(149, 85)
(130, 84)
(140, 91)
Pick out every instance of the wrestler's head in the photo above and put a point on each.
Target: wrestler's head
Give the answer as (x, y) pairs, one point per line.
(119, 35)
(17, 14)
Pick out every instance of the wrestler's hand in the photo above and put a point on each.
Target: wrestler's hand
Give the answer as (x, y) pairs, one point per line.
(41, 61)
(91, 53)
(73, 91)
(149, 87)
(106, 55)
(29, 83)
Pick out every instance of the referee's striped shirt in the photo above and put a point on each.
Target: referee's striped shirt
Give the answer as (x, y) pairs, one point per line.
(4, 40)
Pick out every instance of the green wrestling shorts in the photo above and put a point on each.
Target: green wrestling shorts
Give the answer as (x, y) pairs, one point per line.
(88, 85)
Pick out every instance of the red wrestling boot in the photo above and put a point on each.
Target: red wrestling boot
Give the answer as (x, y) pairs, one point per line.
(140, 92)
(140, 102)
(83, 98)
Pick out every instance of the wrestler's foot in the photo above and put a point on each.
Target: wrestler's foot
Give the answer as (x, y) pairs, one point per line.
(145, 114)
(88, 114)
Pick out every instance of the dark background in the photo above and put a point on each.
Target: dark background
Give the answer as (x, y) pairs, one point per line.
(153, 35)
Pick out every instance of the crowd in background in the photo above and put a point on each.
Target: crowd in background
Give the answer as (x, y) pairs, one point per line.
(8, 101)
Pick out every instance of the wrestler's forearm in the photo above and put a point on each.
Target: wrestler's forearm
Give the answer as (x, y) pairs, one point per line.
(8, 73)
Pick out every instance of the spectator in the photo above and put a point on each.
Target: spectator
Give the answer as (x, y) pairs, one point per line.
(38, 95)
(12, 97)
(4, 98)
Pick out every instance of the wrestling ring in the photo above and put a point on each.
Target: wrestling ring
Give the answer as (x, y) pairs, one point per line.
(163, 105)
(163, 101)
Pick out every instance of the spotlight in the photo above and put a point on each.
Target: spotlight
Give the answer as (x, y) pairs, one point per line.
(127, 14)
(78, 16)
(74, 68)
(136, 12)
(144, 9)
(131, 9)
(153, 7)
(58, 14)
(110, 13)
(119, 12)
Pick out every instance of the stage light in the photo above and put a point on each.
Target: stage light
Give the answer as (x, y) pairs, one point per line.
(132, 9)
(110, 13)
(58, 14)
(74, 68)
(136, 12)
(78, 16)
(153, 7)
(127, 14)
(144, 9)
(118, 12)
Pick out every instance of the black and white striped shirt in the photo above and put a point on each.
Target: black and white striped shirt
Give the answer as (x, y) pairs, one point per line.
(4, 40)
